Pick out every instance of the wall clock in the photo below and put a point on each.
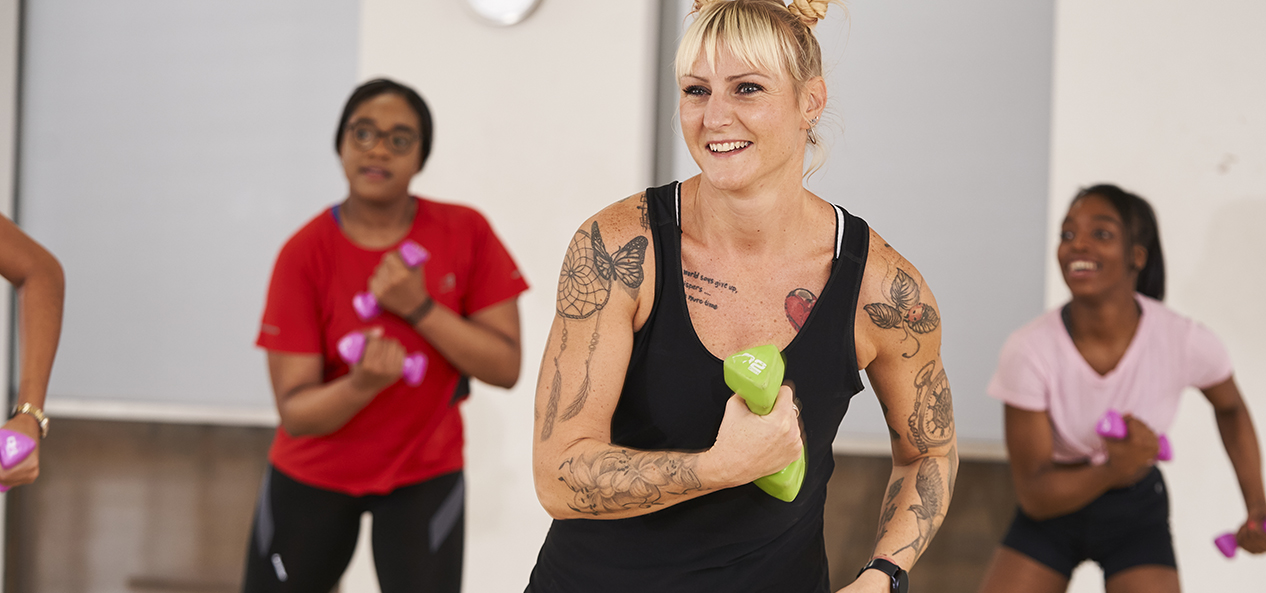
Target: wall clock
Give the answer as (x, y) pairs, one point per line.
(503, 12)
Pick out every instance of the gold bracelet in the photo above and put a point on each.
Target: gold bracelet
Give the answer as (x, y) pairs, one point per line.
(417, 314)
(34, 412)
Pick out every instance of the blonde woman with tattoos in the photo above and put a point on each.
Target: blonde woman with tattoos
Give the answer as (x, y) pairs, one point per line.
(641, 453)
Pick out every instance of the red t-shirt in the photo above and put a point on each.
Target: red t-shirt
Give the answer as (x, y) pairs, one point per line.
(406, 434)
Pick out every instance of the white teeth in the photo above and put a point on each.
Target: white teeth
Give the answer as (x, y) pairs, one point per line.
(728, 146)
(1080, 265)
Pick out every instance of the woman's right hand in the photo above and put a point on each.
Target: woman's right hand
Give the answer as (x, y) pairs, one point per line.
(1252, 536)
(28, 469)
(1131, 456)
(380, 365)
(750, 446)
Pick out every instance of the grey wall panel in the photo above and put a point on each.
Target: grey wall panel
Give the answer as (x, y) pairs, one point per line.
(168, 149)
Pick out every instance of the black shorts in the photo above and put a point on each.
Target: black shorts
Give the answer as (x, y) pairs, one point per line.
(303, 536)
(1124, 528)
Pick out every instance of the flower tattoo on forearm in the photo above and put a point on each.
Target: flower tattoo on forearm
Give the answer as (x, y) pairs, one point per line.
(613, 481)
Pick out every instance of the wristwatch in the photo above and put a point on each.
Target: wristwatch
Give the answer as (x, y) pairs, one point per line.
(900, 580)
(36, 413)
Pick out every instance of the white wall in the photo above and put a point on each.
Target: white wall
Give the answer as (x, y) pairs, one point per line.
(538, 125)
(1168, 99)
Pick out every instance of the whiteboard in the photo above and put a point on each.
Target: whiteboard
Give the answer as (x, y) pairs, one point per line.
(938, 125)
(167, 150)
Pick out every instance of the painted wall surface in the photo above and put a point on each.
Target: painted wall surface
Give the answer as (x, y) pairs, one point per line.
(539, 126)
(1168, 99)
(168, 150)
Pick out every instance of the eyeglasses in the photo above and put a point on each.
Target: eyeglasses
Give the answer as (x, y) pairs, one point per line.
(366, 135)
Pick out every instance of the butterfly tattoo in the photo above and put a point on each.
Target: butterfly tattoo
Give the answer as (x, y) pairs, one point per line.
(624, 265)
(584, 284)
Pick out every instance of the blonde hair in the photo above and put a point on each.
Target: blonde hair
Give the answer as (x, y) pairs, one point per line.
(766, 34)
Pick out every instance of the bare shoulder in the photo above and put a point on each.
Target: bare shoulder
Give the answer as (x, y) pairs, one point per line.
(896, 307)
(623, 220)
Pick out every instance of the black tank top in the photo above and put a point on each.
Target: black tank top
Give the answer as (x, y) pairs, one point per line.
(674, 396)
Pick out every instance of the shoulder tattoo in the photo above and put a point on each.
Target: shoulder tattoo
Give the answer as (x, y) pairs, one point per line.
(584, 288)
(904, 311)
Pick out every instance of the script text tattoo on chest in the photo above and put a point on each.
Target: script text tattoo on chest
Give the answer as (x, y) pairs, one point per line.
(702, 289)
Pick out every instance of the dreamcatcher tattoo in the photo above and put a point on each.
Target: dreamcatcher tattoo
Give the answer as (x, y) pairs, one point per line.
(584, 287)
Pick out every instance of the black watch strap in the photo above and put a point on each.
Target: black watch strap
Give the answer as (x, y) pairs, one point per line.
(900, 581)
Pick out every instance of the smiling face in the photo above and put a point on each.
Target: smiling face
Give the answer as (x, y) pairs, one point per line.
(379, 174)
(744, 125)
(1096, 255)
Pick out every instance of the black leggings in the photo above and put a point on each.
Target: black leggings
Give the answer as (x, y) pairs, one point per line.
(303, 536)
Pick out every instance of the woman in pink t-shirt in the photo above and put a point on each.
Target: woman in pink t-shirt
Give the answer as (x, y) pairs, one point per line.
(1113, 346)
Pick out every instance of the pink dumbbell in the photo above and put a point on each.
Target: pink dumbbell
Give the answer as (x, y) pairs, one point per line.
(365, 304)
(352, 346)
(1227, 545)
(14, 447)
(1112, 425)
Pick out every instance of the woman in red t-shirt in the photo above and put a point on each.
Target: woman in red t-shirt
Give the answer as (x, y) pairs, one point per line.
(358, 438)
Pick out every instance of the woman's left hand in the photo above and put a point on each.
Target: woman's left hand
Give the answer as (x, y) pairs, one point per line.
(29, 469)
(398, 288)
(1252, 536)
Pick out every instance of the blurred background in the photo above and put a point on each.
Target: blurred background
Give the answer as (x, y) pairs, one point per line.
(164, 151)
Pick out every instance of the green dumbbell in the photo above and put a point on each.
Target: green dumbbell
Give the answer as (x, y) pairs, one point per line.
(756, 375)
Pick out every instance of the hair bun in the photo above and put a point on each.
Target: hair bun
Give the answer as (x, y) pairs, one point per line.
(809, 11)
(702, 4)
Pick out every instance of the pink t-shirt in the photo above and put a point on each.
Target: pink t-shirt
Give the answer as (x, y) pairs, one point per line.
(1040, 370)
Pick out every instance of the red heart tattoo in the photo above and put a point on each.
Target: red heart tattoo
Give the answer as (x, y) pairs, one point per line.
(799, 303)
